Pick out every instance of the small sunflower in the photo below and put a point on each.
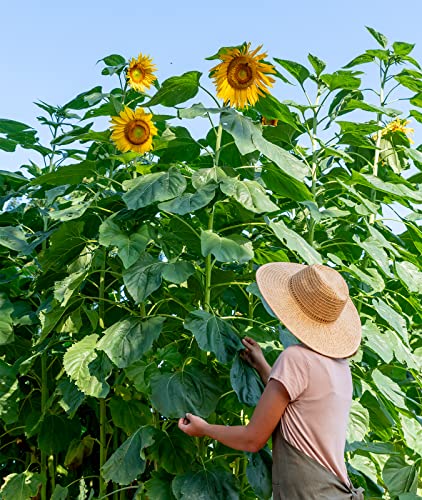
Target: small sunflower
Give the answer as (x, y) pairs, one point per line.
(140, 73)
(133, 130)
(241, 76)
(399, 125)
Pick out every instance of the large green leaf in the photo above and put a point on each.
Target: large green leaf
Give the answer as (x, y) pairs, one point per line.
(129, 339)
(56, 432)
(271, 108)
(189, 202)
(127, 414)
(258, 472)
(283, 185)
(71, 174)
(295, 243)
(150, 188)
(393, 318)
(245, 382)
(21, 486)
(341, 80)
(129, 246)
(190, 390)
(64, 290)
(213, 334)
(159, 486)
(13, 237)
(389, 389)
(226, 249)
(143, 277)
(173, 450)
(128, 461)
(358, 422)
(249, 138)
(299, 72)
(76, 362)
(410, 275)
(249, 194)
(412, 430)
(205, 484)
(60, 493)
(177, 272)
(399, 476)
(377, 341)
(6, 321)
(176, 89)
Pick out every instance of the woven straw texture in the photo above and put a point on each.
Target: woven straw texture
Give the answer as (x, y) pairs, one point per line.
(313, 303)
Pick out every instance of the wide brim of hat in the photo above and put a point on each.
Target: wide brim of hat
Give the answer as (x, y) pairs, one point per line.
(337, 339)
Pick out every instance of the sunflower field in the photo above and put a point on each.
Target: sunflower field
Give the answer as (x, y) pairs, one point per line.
(128, 258)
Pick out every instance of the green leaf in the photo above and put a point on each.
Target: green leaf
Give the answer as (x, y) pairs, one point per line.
(6, 321)
(143, 277)
(258, 472)
(245, 382)
(358, 422)
(409, 275)
(21, 486)
(213, 334)
(389, 389)
(189, 202)
(248, 138)
(299, 72)
(8, 145)
(205, 484)
(399, 190)
(64, 290)
(173, 450)
(399, 476)
(295, 243)
(402, 48)
(176, 90)
(341, 80)
(126, 414)
(13, 237)
(417, 115)
(317, 64)
(362, 59)
(250, 194)
(416, 100)
(113, 60)
(377, 341)
(9, 393)
(177, 272)
(412, 430)
(150, 188)
(356, 104)
(56, 433)
(409, 81)
(393, 318)
(71, 174)
(191, 390)
(76, 363)
(231, 249)
(206, 176)
(128, 340)
(196, 110)
(272, 109)
(60, 492)
(72, 397)
(284, 185)
(128, 461)
(176, 143)
(379, 37)
(81, 101)
(370, 276)
(130, 246)
(159, 486)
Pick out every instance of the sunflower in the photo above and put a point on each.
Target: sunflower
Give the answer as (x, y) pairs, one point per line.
(140, 73)
(241, 76)
(133, 130)
(399, 125)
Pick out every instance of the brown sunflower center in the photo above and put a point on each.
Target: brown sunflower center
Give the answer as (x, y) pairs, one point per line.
(137, 132)
(137, 73)
(240, 73)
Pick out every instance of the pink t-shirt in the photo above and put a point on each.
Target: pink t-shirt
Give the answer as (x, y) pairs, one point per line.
(316, 419)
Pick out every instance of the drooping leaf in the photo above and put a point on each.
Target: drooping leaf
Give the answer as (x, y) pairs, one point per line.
(6, 321)
(189, 202)
(56, 432)
(60, 492)
(392, 318)
(205, 484)
(21, 486)
(71, 174)
(150, 188)
(213, 334)
(128, 461)
(249, 194)
(159, 486)
(412, 430)
(176, 89)
(177, 272)
(358, 422)
(226, 249)
(143, 277)
(127, 414)
(173, 450)
(129, 339)
(389, 389)
(399, 476)
(258, 472)
(410, 275)
(245, 382)
(13, 237)
(191, 390)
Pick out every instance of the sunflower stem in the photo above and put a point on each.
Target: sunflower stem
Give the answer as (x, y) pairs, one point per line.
(208, 268)
(103, 405)
(218, 143)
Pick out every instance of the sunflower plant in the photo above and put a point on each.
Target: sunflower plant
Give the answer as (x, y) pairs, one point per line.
(128, 259)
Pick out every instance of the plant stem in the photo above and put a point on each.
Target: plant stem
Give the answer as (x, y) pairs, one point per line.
(314, 165)
(218, 143)
(103, 405)
(208, 269)
(44, 399)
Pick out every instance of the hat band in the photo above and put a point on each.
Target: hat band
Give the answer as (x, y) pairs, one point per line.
(306, 309)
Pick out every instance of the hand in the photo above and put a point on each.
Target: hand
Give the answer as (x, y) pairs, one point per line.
(193, 425)
(253, 354)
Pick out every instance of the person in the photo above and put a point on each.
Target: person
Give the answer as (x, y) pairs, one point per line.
(306, 402)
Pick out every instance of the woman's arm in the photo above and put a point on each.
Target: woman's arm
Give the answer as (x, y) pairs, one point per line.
(254, 356)
(251, 437)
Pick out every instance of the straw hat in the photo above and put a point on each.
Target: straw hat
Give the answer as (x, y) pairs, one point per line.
(313, 303)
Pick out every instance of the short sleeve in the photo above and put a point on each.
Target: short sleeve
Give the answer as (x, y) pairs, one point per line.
(292, 370)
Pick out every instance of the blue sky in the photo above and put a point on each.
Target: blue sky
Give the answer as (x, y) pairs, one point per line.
(49, 48)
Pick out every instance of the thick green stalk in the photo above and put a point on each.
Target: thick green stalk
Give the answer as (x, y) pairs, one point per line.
(218, 144)
(208, 269)
(314, 167)
(103, 405)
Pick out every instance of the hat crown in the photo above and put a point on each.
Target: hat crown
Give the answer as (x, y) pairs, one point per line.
(320, 292)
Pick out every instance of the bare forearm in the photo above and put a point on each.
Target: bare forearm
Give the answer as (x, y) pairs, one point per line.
(264, 372)
(238, 437)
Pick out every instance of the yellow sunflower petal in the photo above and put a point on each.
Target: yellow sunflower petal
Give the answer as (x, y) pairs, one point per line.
(241, 76)
(140, 73)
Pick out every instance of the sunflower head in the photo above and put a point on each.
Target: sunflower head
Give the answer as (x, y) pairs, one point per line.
(398, 125)
(140, 73)
(133, 130)
(242, 76)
